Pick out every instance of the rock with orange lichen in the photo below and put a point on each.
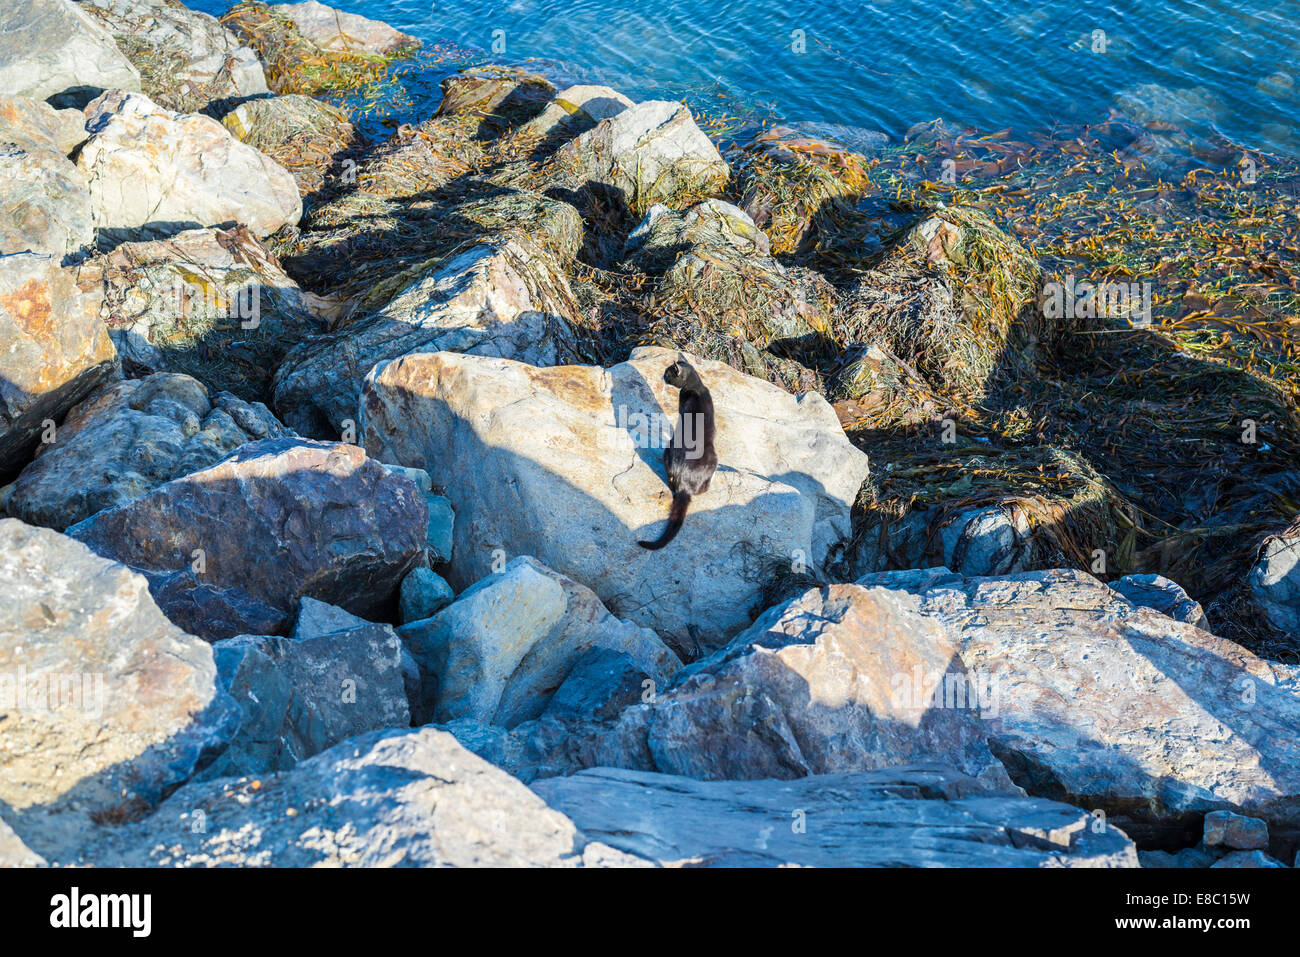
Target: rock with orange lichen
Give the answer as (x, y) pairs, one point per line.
(53, 350)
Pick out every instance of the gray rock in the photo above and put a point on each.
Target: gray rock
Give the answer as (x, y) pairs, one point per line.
(276, 520)
(985, 541)
(409, 798)
(1110, 706)
(499, 652)
(1248, 859)
(187, 60)
(424, 593)
(14, 853)
(44, 198)
(317, 618)
(53, 350)
(53, 48)
(648, 153)
(1198, 857)
(171, 304)
(306, 136)
(506, 299)
(154, 172)
(332, 29)
(1162, 595)
(601, 683)
(1223, 828)
(441, 533)
(565, 464)
(299, 696)
(919, 816)
(841, 679)
(130, 437)
(106, 705)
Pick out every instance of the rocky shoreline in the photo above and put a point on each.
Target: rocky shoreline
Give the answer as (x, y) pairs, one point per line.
(325, 462)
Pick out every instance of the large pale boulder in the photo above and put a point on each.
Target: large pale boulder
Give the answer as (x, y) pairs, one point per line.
(153, 171)
(508, 299)
(840, 679)
(187, 60)
(53, 349)
(53, 48)
(649, 153)
(572, 112)
(106, 705)
(919, 816)
(565, 464)
(333, 29)
(44, 199)
(1120, 708)
(213, 303)
(410, 798)
(231, 549)
(502, 649)
(130, 437)
(1274, 581)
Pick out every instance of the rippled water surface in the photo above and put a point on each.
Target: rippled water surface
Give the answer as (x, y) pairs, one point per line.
(888, 64)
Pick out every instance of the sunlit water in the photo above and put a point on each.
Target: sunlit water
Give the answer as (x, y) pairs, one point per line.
(888, 64)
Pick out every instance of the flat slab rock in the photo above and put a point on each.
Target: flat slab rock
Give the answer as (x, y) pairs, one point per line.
(563, 469)
(105, 704)
(409, 798)
(921, 816)
(231, 549)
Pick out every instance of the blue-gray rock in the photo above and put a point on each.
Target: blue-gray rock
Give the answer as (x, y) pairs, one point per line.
(299, 696)
(601, 683)
(424, 594)
(1162, 595)
(917, 816)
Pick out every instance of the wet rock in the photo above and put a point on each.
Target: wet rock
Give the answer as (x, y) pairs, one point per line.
(53, 350)
(309, 138)
(508, 299)
(500, 97)
(1225, 829)
(277, 520)
(333, 29)
(155, 172)
(1274, 580)
(54, 48)
(1163, 595)
(572, 112)
(212, 303)
(409, 798)
(1106, 705)
(649, 153)
(499, 652)
(187, 60)
(956, 299)
(106, 705)
(792, 182)
(130, 437)
(921, 816)
(567, 467)
(424, 593)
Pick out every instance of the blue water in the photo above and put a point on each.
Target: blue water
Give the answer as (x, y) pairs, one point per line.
(888, 64)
